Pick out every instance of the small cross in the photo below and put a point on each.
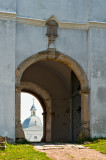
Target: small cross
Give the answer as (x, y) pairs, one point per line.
(33, 100)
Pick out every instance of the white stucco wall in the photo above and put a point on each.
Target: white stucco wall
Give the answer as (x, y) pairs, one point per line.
(97, 10)
(8, 5)
(7, 79)
(66, 11)
(98, 82)
(33, 134)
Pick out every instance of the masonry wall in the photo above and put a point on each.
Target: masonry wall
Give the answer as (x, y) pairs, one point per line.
(87, 47)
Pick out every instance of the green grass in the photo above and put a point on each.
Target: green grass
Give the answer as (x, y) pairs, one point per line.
(67, 154)
(22, 152)
(98, 144)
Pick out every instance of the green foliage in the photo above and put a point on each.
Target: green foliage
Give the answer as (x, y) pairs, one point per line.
(89, 139)
(24, 141)
(97, 144)
(22, 152)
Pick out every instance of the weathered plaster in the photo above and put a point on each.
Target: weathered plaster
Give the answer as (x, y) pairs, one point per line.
(7, 79)
(98, 82)
(77, 11)
(97, 10)
(8, 5)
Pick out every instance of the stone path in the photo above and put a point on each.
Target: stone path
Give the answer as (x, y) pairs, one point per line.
(45, 146)
(68, 152)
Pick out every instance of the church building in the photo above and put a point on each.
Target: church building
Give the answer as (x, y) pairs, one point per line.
(56, 51)
(32, 126)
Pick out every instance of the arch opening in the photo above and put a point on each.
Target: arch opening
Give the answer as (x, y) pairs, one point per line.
(31, 117)
(64, 90)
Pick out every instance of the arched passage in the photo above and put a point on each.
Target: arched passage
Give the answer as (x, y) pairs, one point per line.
(73, 66)
(45, 100)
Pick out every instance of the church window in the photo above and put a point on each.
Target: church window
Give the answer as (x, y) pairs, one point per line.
(35, 137)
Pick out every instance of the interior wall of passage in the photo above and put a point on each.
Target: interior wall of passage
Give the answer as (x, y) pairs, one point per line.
(75, 108)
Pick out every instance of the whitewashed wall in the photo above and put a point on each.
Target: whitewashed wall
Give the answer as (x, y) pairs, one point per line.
(7, 71)
(20, 41)
(33, 134)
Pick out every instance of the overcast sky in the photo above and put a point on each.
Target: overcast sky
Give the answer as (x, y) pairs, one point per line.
(26, 103)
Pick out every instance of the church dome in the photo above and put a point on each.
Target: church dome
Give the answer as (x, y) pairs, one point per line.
(33, 120)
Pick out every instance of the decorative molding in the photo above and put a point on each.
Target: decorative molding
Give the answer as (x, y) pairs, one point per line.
(7, 15)
(30, 21)
(38, 22)
(74, 26)
(100, 25)
(52, 18)
(64, 25)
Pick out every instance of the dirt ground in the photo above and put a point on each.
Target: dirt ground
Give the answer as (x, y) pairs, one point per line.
(74, 154)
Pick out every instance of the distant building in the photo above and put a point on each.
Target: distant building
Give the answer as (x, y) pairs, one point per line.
(32, 127)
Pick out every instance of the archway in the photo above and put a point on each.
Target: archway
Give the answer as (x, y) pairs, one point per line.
(74, 66)
(45, 100)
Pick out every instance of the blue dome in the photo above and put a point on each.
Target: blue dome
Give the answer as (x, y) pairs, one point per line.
(32, 121)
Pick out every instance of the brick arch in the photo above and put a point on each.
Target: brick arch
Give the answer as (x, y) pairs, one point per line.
(73, 65)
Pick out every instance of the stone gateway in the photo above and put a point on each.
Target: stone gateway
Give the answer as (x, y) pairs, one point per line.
(56, 51)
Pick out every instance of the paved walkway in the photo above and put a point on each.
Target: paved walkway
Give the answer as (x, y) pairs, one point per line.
(68, 151)
(44, 146)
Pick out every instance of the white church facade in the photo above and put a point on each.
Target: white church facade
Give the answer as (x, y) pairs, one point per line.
(56, 51)
(32, 127)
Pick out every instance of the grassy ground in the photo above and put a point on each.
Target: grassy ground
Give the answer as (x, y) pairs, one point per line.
(21, 152)
(98, 144)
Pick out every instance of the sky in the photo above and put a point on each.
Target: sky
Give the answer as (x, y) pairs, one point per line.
(26, 103)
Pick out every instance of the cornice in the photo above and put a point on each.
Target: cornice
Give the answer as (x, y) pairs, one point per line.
(38, 22)
(101, 25)
(81, 26)
(30, 21)
(7, 15)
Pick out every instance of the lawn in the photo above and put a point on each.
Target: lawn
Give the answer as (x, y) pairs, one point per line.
(22, 152)
(98, 144)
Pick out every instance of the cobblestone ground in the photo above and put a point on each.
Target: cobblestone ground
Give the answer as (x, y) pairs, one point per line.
(69, 152)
